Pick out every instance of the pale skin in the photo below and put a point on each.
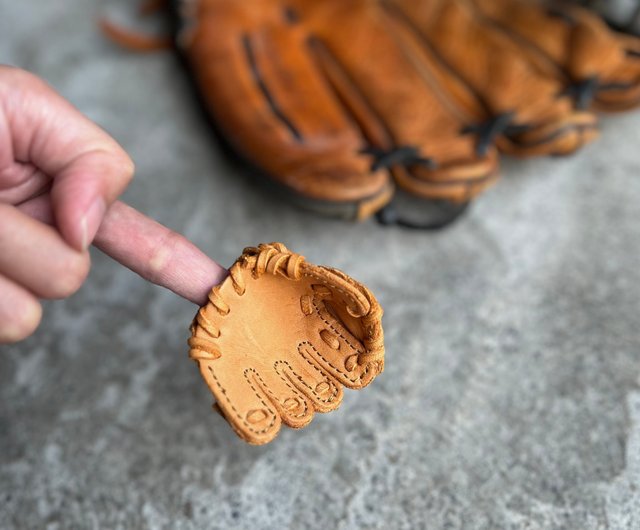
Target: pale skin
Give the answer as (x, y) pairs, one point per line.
(60, 176)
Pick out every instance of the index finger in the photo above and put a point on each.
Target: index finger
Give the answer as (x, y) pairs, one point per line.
(158, 254)
(149, 249)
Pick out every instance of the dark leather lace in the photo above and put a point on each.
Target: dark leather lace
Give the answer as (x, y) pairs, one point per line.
(488, 131)
(583, 92)
(398, 156)
(408, 156)
(557, 12)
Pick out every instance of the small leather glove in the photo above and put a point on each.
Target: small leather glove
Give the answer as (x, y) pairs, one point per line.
(280, 338)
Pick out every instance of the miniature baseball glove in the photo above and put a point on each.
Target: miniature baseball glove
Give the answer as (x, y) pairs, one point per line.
(279, 339)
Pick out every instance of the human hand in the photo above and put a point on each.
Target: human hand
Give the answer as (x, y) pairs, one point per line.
(59, 177)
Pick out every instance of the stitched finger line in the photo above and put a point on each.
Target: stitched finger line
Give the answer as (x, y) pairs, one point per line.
(281, 406)
(239, 416)
(304, 387)
(314, 352)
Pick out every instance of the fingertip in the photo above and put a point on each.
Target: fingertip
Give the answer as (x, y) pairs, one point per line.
(24, 321)
(202, 281)
(77, 223)
(121, 169)
(70, 278)
(128, 167)
(91, 221)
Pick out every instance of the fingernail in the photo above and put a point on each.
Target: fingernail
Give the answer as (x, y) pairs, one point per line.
(91, 221)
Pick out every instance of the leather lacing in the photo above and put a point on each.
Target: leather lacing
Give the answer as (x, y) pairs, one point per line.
(275, 259)
(584, 91)
(403, 155)
(489, 130)
(408, 156)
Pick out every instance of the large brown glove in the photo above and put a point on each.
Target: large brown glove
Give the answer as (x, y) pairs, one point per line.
(337, 100)
(279, 339)
(325, 97)
(598, 67)
(333, 98)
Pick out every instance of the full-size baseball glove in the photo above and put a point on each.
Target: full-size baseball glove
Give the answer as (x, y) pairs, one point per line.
(336, 100)
(279, 339)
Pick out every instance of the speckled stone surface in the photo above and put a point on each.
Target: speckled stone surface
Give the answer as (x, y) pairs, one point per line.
(510, 398)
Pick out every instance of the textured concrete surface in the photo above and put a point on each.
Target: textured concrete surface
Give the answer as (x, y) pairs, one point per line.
(510, 398)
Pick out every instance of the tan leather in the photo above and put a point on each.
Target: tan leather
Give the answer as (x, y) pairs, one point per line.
(279, 339)
(575, 45)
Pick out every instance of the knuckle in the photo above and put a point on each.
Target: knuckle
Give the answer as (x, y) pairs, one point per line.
(19, 77)
(122, 163)
(128, 167)
(160, 258)
(119, 164)
(12, 72)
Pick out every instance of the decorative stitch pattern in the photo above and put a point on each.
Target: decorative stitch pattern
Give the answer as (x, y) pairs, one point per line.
(240, 417)
(334, 393)
(277, 402)
(353, 380)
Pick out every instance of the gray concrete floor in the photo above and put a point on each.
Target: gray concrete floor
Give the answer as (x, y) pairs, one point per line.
(510, 398)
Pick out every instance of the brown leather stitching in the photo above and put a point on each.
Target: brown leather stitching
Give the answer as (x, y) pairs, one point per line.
(304, 383)
(326, 321)
(295, 390)
(311, 274)
(352, 380)
(244, 421)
